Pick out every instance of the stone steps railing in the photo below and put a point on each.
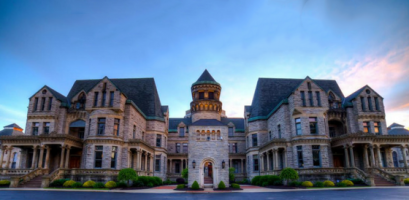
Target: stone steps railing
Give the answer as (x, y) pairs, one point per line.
(17, 180)
(14, 172)
(396, 179)
(56, 174)
(395, 170)
(366, 178)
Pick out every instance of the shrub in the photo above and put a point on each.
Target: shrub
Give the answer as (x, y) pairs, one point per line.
(99, 185)
(273, 180)
(150, 184)
(143, 179)
(235, 185)
(263, 179)
(89, 184)
(180, 181)
(231, 174)
(158, 181)
(221, 185)
(307, 184)
(318, 184)
(185, 173)
(256, 180)
(264, 184)
(68, 183)
(180, 186)
(4, 182)
(341, 184)
(195, 185)
(167, 182)
(329, 184)
(295, 183)
(110, 184)
(348, 182)
(58, 183)
(288, 174)
(138, 183)
(127, 174)
(122, 185)
(356, 181)
(406, 180)
(150, 180)
(76, 185)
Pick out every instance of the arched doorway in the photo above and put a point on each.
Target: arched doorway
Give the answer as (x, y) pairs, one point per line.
(208, 173)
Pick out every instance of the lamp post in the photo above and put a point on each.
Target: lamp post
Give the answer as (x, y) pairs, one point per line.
(223, 164)
(194, 164)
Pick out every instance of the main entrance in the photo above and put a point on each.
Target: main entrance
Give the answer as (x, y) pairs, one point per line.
(208, 173)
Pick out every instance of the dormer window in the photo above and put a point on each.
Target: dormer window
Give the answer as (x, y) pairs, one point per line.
(231, 132)
(309, 85)
(182, 131)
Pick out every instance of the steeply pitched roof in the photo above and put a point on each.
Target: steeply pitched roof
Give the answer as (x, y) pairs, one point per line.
(394, 125)
(208, 122)
(6, 132)
(13, 125)
(164, 109)
(205, 78)
(142, 91)
(270, 92)
(174, 122)
(56, 94)
(354, 95)
(238, 122)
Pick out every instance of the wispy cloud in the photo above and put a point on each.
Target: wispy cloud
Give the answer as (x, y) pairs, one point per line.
(10, 111)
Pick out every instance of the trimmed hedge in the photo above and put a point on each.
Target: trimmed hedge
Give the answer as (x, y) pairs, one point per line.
(318, 184)
(110, 184)
(329, 184)
(88, 184)
(295, 183)
(99, 185)
(341, 184)
(195, 185)
(138, 183)
(221, 185)
(58, 183)
(69, 183)
(4, 182)
(307, 184)
(76, 185)
(235, 185)
(180, 181)
(406, 180)
(348, 182)
(150, 184)
(266, 180)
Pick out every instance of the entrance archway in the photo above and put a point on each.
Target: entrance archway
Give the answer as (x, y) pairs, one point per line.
(208, 173)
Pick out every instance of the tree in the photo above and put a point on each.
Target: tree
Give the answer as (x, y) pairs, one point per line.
(185, 174)
(231, 174)
(127, 175)
(288, 174)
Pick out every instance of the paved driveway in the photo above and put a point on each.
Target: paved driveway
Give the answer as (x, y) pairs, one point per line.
(364, 194)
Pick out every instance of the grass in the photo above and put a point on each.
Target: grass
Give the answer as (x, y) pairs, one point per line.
(78, 188)
(337, 187)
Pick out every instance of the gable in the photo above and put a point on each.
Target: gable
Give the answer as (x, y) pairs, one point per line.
(54, 93)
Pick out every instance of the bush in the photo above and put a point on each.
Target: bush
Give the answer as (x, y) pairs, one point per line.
(138, 183)
(294, 183)
(167, 182)
(288, 174)
(180, 181)
(58, 183)
(122, 184)
(158, 181)
(68, 183)
(150, 184)
(307, 184)
(180, 186)
(150, 180)
(264, 179)
(89, 184)
(329, 184)
(256, 180)
(273, 180)
(264, 184)
(235, 185)
(76, 185)
(185, 173)
(127, 174)
(110, 184)
(221, 185)
(348, 182)
(231, 174)
(195, 185)
(99, 185)
(4, 182)
(318, 184)
(406, 180)
(341, 184)
(356, 181)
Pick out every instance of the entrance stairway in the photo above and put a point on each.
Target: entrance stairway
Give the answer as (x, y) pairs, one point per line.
(208, 182)
(379, 181)
(33, 183)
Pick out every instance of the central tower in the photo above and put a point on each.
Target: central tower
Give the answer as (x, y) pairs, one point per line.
(206, 102)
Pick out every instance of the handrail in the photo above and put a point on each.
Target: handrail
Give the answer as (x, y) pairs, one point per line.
(56, 174)
(15, 181)
(368, 179)
(388, 176)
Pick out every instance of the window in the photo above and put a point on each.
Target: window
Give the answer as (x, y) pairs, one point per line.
(185, 148)
(98, 156)
(231, 131)
(111, 98)
(279, 130)
(35, 128)
(177, 148)
(50, 103)
(254, 139)
(310, 98)
(14, 163)
(201, 95)
(363, 103)
(143, 135)
(255, 163)
(313, 125)
(234, 148)
(104, 97)
(157, 163)
(366, 127)
(134, 132)
(46, 128)
(89, 126)
(309, 85)
(35, 104)
(182, 131)
(270, 134)
(101, 126)
(370, 104)
(158, 140)
(298, 126)
(42, 103)
(318, 96)
(377, 127)
(211, 95)
(299, 157)
(113, 157)
(303, 98)
(96, 99)
(116, 127)
(377, 104)
(316, 156)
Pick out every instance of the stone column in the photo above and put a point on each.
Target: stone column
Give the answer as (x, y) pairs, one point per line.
(379, 156)
(1, 157)
(242, 166)
(138, 159)
(268, 161)
(351, 151)
(67, 157)
(34, 160)
(129, 158)
(372, 155)
(151, 163)
(47, 158)
(62, 157)
(346, 156)
(180, 166)
(146, 161)
(285, 157)
(275, 158)
(9, 158)
(170, 166)
(403, 149)
(40, 160)
(366, 161)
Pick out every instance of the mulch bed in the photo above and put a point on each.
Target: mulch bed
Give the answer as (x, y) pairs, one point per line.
(284, 187)
(132, 188)
(189, 189)
(229, 188)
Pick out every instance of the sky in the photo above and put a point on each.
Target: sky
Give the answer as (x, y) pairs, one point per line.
(57, 42)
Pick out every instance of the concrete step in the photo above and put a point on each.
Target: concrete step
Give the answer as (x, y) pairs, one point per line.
(208, 185)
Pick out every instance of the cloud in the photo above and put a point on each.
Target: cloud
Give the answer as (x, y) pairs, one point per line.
(13, 112)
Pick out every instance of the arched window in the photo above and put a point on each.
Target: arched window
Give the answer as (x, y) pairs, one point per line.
(395, 159)
(80, 104)
(331, 101)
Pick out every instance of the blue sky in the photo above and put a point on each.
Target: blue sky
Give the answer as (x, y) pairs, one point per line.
(55, 43)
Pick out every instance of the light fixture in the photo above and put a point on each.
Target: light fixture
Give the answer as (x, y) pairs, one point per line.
(223, 164)
(194, 164)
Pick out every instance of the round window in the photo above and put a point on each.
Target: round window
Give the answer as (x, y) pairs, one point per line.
(368, 91)
(44, 91)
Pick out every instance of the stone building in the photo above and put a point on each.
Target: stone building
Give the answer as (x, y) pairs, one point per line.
(105, 125)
